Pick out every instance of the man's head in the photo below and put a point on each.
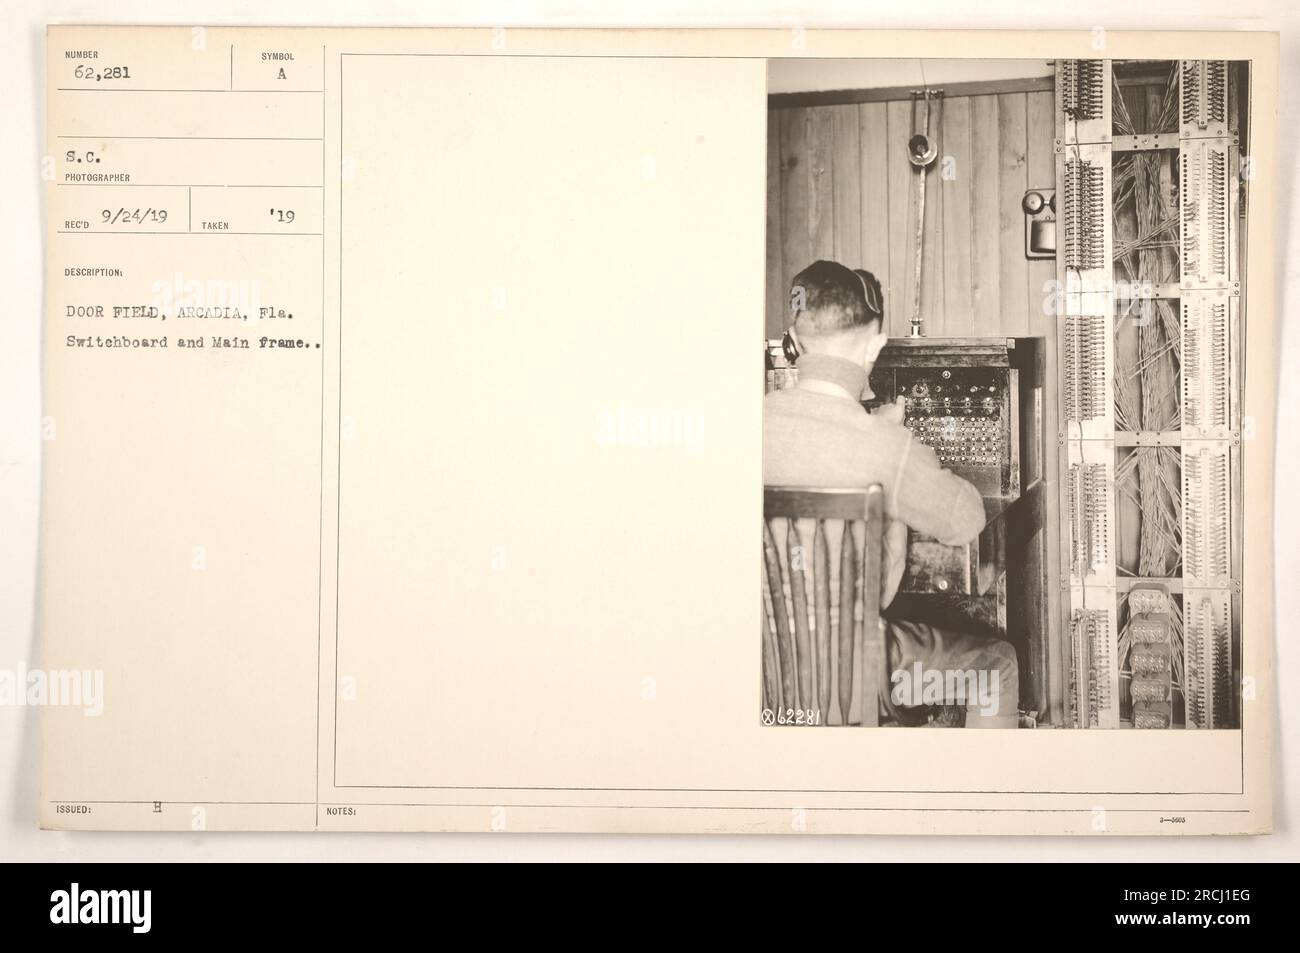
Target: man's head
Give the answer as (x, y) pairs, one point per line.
(837, 311)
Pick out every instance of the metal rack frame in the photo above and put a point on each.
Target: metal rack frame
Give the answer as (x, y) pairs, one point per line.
(1208, 435)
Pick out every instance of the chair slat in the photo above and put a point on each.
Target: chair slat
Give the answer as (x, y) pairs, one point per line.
(848, 580)
(771, 668)
(822, 615)
(873, 645)
(784, 641)
(795, 559)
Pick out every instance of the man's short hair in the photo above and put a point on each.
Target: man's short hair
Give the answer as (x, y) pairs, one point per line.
(827, 297)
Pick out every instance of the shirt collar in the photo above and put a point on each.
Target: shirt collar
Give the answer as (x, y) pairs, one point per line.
(839, 371)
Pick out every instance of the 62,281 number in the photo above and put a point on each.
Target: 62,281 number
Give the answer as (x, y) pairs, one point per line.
(94, 75)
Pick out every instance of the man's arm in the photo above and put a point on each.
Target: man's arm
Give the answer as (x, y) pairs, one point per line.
(935, 501)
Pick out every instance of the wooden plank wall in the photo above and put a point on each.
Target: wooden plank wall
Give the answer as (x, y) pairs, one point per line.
(839, 186)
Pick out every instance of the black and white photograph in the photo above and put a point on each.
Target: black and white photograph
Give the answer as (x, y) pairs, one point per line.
(1002, 426)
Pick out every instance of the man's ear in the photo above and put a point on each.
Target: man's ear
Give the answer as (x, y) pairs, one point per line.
(875, 346)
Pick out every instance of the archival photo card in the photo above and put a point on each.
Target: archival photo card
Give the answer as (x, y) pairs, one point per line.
(408, 467)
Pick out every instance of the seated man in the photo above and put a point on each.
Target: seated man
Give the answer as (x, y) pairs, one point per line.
(818, 434)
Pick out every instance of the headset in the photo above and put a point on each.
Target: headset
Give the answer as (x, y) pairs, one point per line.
(872, 297)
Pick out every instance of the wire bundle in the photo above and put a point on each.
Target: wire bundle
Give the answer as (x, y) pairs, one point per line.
(1147, 384)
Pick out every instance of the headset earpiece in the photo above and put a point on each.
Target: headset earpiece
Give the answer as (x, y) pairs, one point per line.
(789, 348)
(871, 295)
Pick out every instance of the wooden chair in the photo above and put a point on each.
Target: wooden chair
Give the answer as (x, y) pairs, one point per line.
(822, 552)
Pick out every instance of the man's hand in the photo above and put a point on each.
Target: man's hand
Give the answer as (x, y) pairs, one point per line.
(893, 413)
